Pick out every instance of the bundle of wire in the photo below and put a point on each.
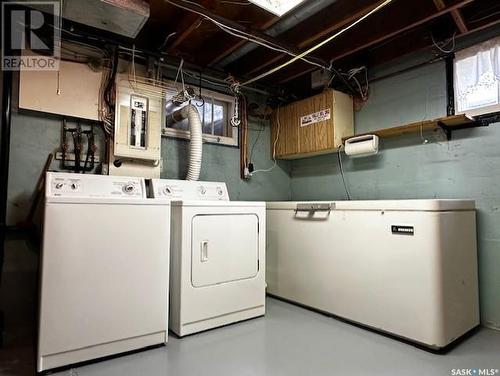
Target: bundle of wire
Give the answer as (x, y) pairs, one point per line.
(107, 94)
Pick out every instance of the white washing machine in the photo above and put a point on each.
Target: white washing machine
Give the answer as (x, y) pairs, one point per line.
(104, 269)
(217, 265)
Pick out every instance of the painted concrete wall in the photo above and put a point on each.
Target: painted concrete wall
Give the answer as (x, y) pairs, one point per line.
(466, 167)
(35, 135)
(221, 163)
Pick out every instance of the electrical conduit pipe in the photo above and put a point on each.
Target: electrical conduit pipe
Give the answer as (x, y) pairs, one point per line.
(196, 145)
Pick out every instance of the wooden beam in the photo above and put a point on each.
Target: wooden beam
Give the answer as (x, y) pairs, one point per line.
(481, 27)
(385, 37)
(404, 29)
(320, 34)
(456, 14)
(455, 121)
(190, 23)
(206, 13)
(242, 42)
(186, 33)
(266, 63)
(338, 25)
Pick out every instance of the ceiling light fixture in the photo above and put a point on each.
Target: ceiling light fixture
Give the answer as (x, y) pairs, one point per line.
(278, 7)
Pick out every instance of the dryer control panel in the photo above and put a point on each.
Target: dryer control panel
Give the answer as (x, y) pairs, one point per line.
(189, 190)
(98, 186)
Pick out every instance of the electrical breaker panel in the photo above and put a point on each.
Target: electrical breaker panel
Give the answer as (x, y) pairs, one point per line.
(138, 120)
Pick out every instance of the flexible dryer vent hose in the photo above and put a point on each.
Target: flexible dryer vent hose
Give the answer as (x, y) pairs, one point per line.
(196, 145)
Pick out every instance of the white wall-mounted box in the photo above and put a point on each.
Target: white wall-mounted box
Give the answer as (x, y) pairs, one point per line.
(71, 91)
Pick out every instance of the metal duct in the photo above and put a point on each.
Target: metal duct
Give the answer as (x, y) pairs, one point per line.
(124, 17)
(295, 17)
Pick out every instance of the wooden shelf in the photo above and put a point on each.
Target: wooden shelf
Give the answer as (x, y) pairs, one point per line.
(446, 123)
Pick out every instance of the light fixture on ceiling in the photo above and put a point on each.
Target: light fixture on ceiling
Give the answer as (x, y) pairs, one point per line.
(278, 7)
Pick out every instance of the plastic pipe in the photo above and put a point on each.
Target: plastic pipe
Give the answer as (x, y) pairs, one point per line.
(196, 145)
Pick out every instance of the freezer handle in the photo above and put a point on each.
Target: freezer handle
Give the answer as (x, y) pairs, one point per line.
(315, 207)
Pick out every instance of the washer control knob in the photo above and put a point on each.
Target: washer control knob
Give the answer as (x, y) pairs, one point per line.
(202, 189)
(128, 188)
(59, 185)
(219, 191)
(167, 190)
(74, 186)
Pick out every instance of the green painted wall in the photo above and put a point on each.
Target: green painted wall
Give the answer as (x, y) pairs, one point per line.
(466, 167)
(221, 163)
(35, 135)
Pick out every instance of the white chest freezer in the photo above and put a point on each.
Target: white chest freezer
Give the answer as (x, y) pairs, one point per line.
(405, 267)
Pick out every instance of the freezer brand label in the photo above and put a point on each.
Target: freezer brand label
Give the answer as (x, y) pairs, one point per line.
(315, 117)
(403, 230)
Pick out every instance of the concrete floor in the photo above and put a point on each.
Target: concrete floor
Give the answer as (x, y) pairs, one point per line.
(289, 340)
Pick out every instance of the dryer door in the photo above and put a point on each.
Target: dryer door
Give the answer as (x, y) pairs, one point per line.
(224, 248)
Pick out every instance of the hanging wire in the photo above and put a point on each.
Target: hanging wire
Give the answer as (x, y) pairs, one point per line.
(342, 173)
(441, 45)
(274, 146)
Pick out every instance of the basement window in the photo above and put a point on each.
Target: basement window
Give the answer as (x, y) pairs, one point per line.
(215, 111)
(477, 79)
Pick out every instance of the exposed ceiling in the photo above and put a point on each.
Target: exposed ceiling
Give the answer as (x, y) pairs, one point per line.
(401, 27)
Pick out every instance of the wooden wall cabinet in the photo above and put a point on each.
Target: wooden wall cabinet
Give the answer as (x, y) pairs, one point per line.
(312, 126)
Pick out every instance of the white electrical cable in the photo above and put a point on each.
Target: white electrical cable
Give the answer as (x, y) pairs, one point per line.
(351, 75)
(342, 173)
(133, 63)
(206, 80)
(444, 44)
(274, 146)
(319, 45)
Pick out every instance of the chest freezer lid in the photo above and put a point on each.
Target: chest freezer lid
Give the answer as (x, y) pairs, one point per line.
(394, 205)
(404, 205)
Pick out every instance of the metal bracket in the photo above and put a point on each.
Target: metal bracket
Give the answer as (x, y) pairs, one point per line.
(446, 129)
(479, 121)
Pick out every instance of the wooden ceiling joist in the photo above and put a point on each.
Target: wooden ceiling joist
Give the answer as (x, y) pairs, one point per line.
(456, 14)
(310, 40)
(383, 37)
(241, 42)
(187, 32)
(236, 27)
